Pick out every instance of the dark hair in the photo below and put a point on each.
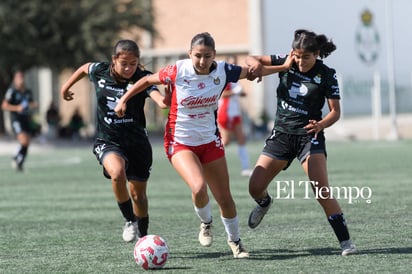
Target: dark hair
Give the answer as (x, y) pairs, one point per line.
(203, 38)
(121, 47)
(17, 69)
(126, 45)
(310, 41)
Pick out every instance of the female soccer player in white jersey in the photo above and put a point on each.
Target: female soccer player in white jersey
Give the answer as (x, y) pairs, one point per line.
(122, 146)
(299, 125)
(192, 140)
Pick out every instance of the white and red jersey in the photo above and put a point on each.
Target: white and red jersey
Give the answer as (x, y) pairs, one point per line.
(195, 98)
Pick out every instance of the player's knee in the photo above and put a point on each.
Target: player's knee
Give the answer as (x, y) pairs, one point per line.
(117, 175)
(200, 195)
(137, 193)
(139, 197)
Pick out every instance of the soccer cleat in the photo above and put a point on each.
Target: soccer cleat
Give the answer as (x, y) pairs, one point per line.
(348, 248)
(205, 234)
(129, 231)
(258, 213)
(17, 166)
(238, 250)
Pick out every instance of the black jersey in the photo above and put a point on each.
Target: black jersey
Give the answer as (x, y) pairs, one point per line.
(16, 97)
(122, 131)
(301, 96)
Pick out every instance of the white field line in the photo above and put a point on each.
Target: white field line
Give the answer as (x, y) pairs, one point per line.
(44, 163)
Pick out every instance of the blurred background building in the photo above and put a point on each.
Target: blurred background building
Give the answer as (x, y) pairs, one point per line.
(372, 38)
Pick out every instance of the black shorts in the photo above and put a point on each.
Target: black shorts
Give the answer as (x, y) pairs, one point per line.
(138, 158)
(287, 147)
(21, 125)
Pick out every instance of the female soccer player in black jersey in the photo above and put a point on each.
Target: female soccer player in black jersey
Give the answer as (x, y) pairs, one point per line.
(20, 102)
(298, 129)
(122, 146)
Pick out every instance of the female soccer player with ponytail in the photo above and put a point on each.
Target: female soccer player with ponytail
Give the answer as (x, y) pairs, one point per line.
(299, 125)
(122, 146)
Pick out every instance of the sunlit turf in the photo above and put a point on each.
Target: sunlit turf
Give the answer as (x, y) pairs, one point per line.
(59, 216)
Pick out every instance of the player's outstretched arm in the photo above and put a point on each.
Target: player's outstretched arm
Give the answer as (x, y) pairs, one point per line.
(138, 87)
(163, 101)
(65, 91)
(260, 66)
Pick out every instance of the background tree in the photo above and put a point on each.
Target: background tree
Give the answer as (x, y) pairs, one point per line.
(63, 34)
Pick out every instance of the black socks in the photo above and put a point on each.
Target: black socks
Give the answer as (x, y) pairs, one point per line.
(127, 210)
(338, 223)
(143, 225)
(21, 155)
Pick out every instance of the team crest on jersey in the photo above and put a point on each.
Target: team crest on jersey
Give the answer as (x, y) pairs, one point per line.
(201, 85)
(317, 79)
(216, 81)
(297, 89)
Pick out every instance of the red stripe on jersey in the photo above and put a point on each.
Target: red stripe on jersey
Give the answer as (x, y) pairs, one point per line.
(167, 76)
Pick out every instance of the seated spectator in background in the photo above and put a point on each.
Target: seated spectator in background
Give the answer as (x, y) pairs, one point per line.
(53, 120)
(75, 124)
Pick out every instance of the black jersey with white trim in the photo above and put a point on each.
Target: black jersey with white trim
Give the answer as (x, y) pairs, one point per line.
(122, 131)
(16, 97)
(301, 96)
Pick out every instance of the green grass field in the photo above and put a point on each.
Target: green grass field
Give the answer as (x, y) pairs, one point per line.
(59, 216)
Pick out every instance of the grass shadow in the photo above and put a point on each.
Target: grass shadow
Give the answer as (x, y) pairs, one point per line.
(285, 254)
(391, 250)
(199, 255)
(172, 268)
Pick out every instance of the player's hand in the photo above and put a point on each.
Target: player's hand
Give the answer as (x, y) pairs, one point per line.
(255, 71)
(313, 127)
(68, 95)
(289, 60)
(21, 108)
(250, 76)
(120, 108)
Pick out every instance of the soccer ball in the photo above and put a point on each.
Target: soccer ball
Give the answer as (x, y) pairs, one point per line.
(151, 251)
